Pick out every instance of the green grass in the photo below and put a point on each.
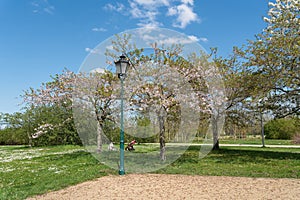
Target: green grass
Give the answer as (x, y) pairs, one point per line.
(256, 141)
(239, 161)
(26, 171)
(39, 170)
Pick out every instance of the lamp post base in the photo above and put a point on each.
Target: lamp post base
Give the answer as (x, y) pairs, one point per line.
(121, 172)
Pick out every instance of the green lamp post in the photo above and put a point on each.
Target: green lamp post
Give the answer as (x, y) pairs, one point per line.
(121, 67)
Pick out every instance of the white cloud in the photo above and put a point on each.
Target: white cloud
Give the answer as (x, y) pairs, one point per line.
(135, 11)
(152, 3)
(35, 4)
(118, 7)
(178, 40)
(167, 40)
(99, 29)
(185, 15)
(148, 11)
(110, 47)
(97, 70)
(191, 2)
(149, 24)
(49, 9)
(91, 50)
(145, 2)
(193, 38)
(203, 39)
(172, 11)
(42, 6)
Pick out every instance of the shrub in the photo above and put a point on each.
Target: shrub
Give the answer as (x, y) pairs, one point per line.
(13, 136)
(284, 128)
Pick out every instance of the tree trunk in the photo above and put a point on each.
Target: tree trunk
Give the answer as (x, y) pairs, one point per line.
(216, 146)
(262, 130)
(29, 139)
(27, 120)
(162, 143)
(99, 138)
(215, 130)
(99, 128)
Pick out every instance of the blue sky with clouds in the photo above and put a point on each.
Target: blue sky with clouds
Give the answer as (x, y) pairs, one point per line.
(39, 38)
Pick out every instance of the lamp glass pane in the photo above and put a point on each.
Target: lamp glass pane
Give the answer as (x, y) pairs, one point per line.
(124, 67)
(118, 67)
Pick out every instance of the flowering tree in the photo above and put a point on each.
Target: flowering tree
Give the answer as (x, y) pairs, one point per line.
(90, 91)
(165, 83)
(169, 86)
(274, 56)
(240, 85)
(93, 104)
(51, 95)
(265, 69)
(207, 79)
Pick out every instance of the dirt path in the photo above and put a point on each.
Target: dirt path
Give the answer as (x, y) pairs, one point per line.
(157, 186)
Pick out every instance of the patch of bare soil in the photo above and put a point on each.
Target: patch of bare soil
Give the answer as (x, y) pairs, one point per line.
(161, 186)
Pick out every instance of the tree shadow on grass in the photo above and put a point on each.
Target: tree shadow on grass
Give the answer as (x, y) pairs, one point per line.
(255, 155)
(225, 155)
(15, 147)
(246, 162)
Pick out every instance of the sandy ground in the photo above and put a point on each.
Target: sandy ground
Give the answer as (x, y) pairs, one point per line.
(157, 186)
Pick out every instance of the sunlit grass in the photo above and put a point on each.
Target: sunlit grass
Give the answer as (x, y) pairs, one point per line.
(46, 169)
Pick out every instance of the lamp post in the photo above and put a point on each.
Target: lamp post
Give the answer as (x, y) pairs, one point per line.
(121, 68)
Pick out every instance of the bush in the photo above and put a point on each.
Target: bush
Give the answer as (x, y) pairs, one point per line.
(13, 136)
(284, 128)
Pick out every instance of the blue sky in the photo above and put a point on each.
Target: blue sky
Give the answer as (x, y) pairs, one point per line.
(39, 38)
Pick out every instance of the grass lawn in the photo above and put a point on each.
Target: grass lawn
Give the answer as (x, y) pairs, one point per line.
(29, 171)
(256, 141)
(239, 161)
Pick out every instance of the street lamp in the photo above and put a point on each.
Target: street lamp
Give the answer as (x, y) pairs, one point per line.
(121, 67)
